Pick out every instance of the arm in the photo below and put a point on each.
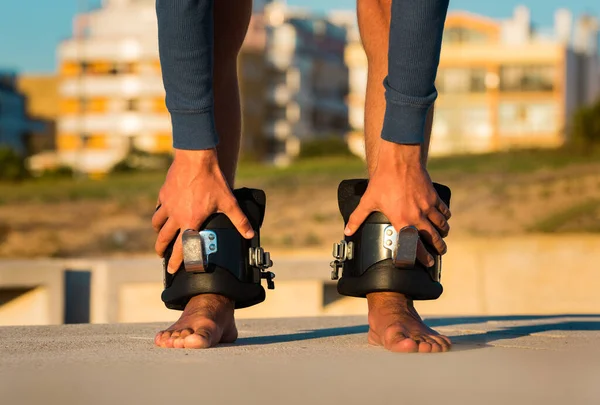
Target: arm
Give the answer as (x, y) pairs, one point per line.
(414, 54)
(400, 186)
(185, 40)
(195, 186)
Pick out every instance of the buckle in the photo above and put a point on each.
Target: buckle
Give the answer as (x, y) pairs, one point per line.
(436, 270)
(257, 257)
(341, 252)
(197, 246)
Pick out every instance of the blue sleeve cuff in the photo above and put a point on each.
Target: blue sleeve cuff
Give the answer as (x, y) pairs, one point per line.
(405, 116)
(194, 130)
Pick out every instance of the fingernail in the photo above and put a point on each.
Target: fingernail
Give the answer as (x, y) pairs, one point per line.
(430, 262)
(171, 270)
(249, 234)
(347, 231)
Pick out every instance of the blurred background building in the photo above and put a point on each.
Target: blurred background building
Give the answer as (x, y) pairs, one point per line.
(502, 83)
(292, 73)
(16, 127)
(111, 91)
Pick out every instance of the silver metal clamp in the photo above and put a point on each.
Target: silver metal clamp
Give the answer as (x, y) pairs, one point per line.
(197, 246)
(260, 259)
(341, 252)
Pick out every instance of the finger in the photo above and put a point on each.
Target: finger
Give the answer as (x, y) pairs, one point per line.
(165, 237)
(431, 236)
(357, 218)
(443, 208)
(424, 256)
(439, 221)
(239, 220)
(159, 218)
(176, 257)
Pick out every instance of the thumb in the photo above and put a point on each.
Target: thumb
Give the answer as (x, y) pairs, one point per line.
(240, 221)
(357, 218)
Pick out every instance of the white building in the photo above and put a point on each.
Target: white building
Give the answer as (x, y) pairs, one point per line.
(112, 95)
(292, 76)
(307, 80)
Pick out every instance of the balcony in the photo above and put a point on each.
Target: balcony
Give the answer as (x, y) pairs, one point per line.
(278, 129)
(109, 86)
(119, 123)
(279, 94)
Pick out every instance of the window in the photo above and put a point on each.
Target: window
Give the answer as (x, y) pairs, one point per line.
(84, 104)
(461, 80)
(459, 35)
(527, 78)
(132, 104)
(520, 118)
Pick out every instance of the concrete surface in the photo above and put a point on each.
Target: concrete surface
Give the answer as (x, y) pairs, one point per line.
(496, 360)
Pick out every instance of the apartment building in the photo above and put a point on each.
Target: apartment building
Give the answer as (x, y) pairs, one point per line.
(306, 80)
(111, 90)
(293, 82)
(15, 124)
(502, 84)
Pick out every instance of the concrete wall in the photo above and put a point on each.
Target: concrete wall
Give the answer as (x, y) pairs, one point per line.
(520, 275)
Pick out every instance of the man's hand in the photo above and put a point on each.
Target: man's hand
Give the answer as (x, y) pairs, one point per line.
(194, 189)
(401, 189)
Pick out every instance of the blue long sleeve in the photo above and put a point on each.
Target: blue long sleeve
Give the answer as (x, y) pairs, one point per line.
(185, 41)
(414, 55)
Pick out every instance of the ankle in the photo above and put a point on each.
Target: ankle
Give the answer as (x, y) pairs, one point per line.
(388, 300)
(211, 301)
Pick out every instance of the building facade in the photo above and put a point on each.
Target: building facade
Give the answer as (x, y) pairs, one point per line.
(15, 124)
(111, 90)
(306, 80)
(501, 83)
(293, 83)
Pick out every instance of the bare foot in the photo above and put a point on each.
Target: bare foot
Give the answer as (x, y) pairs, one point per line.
(206, 321)
(395, 324)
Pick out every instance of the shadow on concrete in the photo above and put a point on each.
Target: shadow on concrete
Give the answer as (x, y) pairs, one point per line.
(591, 323)
(303, 335)
(462, 342)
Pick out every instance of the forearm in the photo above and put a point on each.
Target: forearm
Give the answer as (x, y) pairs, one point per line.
(185, 38)
(414, 50)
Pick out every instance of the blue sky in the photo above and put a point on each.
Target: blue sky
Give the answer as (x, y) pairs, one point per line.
(31, 29)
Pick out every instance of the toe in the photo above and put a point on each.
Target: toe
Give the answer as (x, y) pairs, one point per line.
(185, 333)
(443, 343)
(157, 338)
(197, 341)
(404, 345)
(396, 340)
(179, 343)
(424, 347)
(170, 342)
(435, 346)
(162, 338)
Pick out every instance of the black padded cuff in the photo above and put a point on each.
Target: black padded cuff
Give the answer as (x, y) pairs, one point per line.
(228, 271)
(369, 267)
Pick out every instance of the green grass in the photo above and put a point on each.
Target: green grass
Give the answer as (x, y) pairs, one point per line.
(576, 213)
(327, 171)
(513, 162)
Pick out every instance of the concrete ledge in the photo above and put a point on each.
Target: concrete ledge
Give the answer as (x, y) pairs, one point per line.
(43, 301)
(533, 274)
